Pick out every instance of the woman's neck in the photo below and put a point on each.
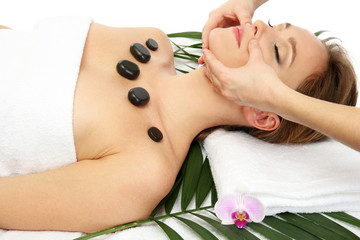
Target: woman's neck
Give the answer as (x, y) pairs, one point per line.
(189, 105)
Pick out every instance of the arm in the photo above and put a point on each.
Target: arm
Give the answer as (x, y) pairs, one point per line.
(86, 196)
(333, 120)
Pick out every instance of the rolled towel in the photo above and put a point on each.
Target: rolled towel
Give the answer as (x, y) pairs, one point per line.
(306, 178)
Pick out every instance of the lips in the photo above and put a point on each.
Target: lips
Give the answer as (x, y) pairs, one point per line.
(238, 32)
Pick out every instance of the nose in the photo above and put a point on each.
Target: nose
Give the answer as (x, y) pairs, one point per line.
(260, 28)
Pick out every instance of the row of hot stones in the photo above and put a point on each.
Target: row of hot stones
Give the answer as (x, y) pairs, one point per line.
(138, 96)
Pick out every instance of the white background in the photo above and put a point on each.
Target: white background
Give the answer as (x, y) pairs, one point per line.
(341, 18)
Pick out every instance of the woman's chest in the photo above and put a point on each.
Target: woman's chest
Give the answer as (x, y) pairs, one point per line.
(107, 119)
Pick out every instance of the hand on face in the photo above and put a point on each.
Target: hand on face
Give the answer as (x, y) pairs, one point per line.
(249, 85)
(231, 13)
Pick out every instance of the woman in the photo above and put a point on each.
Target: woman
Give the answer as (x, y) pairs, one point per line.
(325, 117)
(120, 174)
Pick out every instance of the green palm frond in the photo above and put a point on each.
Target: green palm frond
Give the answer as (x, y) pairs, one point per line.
(190, 35)
(318, 33)
(188, 55)
(195, 183)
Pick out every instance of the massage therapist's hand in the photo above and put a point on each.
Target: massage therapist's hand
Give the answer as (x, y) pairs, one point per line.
(255, 84)
(231, 13)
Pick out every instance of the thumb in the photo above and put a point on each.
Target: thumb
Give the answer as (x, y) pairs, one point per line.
(214, 19)
(255, 53)
(243, 17)
(213, 64)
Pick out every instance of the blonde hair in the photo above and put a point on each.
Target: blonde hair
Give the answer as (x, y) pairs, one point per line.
(336, 84)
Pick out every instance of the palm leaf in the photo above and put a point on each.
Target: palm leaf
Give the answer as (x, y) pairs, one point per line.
(307, 225)
(205, 183)
(331, 38)
(221, 228)
(181, 70)
(173, 194)
(191, 35)
(186, 52)
(201, 231)
(192, 174)
(169, 204)
(214, 197)
(318, 33)
(173, 235)
(330, 225)
(267, 232)
(242, 233)
(345, 218)
(197, 45)
(288, 229)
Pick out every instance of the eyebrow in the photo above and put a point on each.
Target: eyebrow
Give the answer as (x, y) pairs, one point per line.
(292, 42)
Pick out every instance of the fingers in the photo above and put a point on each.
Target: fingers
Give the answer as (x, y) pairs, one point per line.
(211, 78)
(217, 20)
(219, 75)
(201, 60)
(214, 19)
(210, 24)
(217, 86)
(244, 20)
(215, 66)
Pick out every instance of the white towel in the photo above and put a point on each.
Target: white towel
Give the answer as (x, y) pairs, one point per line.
(38, 75)
(317, 177)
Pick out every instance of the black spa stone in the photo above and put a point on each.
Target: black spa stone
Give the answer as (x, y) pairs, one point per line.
(128, 69)
(152, 44)
(138, 96)
(155, 134)
(140, 52)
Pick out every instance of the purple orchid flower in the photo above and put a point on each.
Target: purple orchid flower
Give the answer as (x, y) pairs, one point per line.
(239, 208)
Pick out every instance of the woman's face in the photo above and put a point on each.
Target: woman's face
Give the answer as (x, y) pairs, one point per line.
(293, 52)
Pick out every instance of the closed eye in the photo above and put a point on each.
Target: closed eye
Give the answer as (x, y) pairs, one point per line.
(277, 55)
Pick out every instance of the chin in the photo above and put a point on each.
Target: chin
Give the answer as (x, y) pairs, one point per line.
(223, 45)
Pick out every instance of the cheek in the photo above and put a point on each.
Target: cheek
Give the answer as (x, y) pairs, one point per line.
(223, 45)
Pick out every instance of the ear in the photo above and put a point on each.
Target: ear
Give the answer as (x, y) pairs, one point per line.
(267, 121)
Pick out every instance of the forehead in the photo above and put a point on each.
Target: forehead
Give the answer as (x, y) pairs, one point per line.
(311, 56)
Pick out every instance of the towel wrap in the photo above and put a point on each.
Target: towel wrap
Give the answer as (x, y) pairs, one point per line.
(38, 75)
